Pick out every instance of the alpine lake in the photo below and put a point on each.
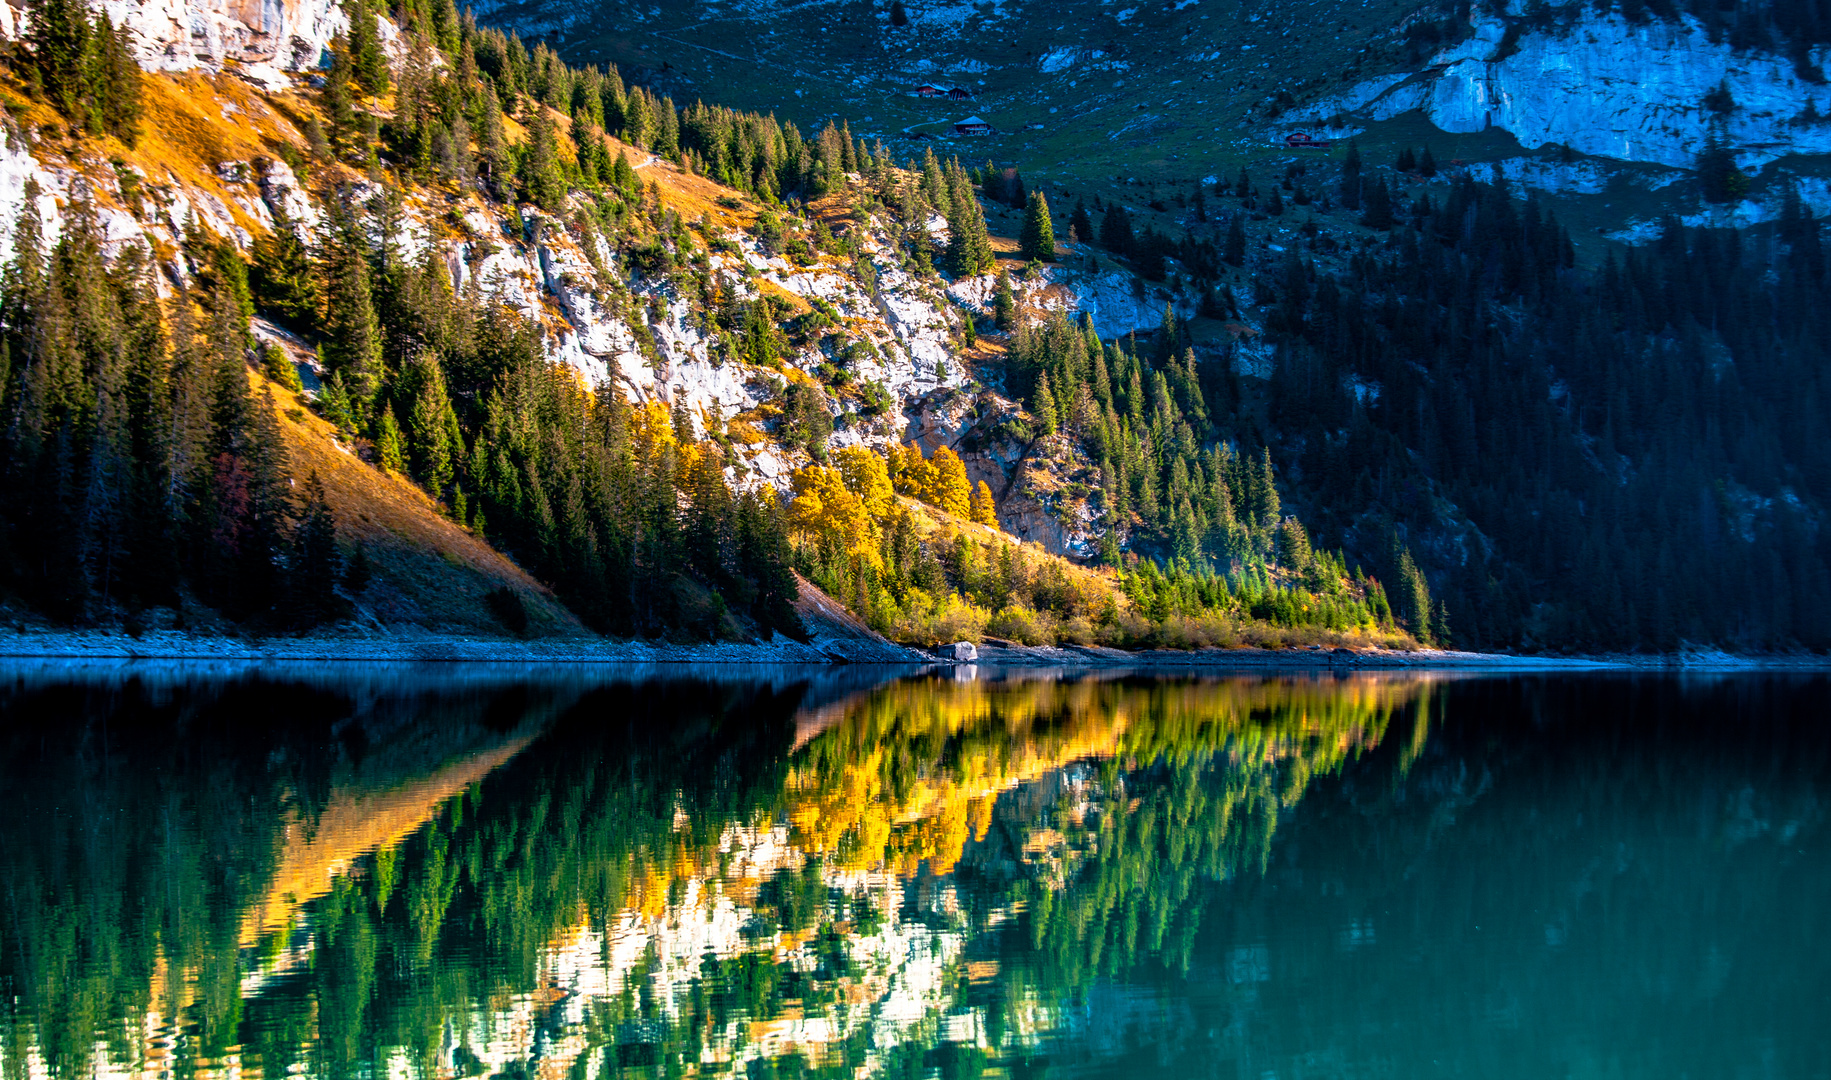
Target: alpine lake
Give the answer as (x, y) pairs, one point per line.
(575, 872)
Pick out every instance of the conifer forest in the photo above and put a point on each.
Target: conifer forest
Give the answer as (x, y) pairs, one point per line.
(1430, 414)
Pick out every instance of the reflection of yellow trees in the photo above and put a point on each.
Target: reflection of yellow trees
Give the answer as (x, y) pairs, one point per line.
(910, 772)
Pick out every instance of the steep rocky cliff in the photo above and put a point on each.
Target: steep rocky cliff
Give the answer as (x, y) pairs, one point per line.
(1648, 91)
(231, 84)
(262, 40)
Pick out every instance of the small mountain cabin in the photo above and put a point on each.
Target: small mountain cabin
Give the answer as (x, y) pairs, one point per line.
(972, 125)
(959, 93)
(1300, 140)
(930, 90)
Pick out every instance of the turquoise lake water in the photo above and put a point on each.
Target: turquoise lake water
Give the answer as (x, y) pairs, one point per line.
(440, 871)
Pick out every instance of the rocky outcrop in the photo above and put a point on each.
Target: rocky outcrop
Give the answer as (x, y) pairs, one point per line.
(261, 39)
(1605, 86)
(1051, 499)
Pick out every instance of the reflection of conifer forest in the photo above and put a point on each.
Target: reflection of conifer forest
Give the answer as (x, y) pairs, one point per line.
(586, 880)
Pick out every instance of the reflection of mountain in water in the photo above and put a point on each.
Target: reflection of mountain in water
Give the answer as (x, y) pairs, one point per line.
(658, 876)
(535, 873)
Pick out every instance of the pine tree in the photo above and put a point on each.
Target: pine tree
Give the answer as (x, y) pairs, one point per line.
(1427, 164)
(544, 184)
(334, 95)
(1043, 405)
(430, 424)
(116, 107)
(353, 343)
(1379, 206)
(1413, 593)
(1004, 304)
(638, 119)
(57, 36)
(1351, 178)
(388, 445)
(969, 245)
(1263, 503)
(1233, 251)
(334, 404)
(1116, 230)
(1718, 178)
(316, 564)
(1081, 226)
(281, 279)
(1038, 241)
(368, 62)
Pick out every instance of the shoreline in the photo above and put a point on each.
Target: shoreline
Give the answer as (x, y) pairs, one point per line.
(833, 650)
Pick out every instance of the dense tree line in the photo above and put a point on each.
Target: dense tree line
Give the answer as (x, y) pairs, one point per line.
(1638, 449)
(84, 66)
(625, 512)
(143, 470)
(928, 584)
(1176, 486)
(139, 461)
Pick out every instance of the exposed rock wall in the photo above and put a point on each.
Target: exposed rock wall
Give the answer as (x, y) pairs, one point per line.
(1604, 86)
(263, 40)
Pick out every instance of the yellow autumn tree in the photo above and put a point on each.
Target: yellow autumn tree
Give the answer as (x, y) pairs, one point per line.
(825, 511)
(985, 510)
(868, 477)
(951, 491)
(912, 474)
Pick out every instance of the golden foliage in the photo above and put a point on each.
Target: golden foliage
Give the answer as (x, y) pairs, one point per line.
(984, 507)
(825, 511)
(868, 477)
(951, 493)
(910, 772)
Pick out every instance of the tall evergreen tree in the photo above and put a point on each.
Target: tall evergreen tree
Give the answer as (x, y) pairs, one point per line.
(353, 340)
(543, 181)
(116, 105)
(1038, 239)
(368, 61)
(1116, 230)
(1233, 251)
(57, 35)
(1351, 178)
(334, 96)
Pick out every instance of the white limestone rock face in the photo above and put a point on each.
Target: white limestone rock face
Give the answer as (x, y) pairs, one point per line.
(1605, 87)
(265, 40)
(17, 167)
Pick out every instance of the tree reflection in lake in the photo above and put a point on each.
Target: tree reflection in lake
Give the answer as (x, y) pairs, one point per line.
(476, 872)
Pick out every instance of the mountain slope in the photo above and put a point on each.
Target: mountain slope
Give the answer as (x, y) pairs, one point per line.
(662, 358)
(1605, 111)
